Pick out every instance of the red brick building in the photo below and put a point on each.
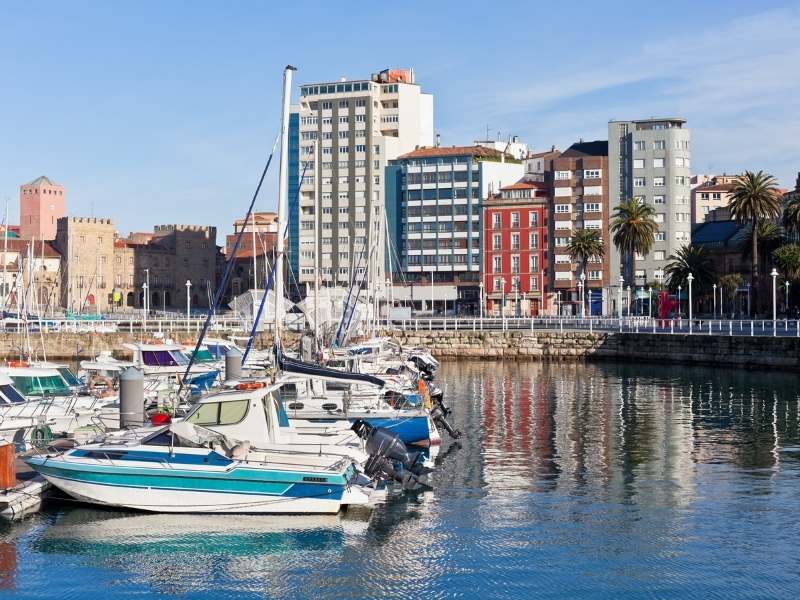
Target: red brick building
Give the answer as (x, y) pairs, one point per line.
(515, 258)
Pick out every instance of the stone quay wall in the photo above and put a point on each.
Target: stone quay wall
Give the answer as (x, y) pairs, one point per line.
(701, 349)
(70, 347)
(734, 351)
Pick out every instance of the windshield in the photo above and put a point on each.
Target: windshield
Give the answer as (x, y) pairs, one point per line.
(10, 394)
(38, 386)
(179, 357)
(69, 377)
(217, 350)
(203, 356)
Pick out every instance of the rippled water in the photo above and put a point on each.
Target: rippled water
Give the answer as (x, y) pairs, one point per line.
(590, 481)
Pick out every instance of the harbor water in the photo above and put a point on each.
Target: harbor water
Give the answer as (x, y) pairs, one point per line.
(571, 481)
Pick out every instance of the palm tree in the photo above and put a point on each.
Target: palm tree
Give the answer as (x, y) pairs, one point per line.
(787, 259)
(754, 199)
(791, 214)
(634, 228)
(689, 259)
(730, 282)
(585, 245)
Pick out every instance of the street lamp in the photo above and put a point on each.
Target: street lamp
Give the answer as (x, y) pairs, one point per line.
(621, 284)
(786, 302)
(715, 300)
(628, 299)
(679, 302)
(503, 298)
(649, 302)
(188, 303)
(431, 292)
(523, 305)
(774, 275)
(144, 319)
(690, 278)
(480, 300)
(748, 301)
(581, 285)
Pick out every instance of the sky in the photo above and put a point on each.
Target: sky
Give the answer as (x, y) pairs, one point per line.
(164, 112)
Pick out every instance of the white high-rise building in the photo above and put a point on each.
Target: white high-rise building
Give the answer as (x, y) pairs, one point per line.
(345, 133)
(649, 160)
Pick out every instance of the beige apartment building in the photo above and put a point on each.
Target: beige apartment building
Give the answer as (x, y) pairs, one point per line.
(713, 194)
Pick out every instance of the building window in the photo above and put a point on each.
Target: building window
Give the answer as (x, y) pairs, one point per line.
(496, 220)
(658, 163)
(563, 208)
(562, 242)
(498, 284)
(639, 145)
(595, 275)
(659, 145)
(592, 174)
(515, 264)
(638, 163)
(659, 199)
(515, 241)
(534, 240)
(515, 220)
(534, 263)
(563, 174)
(639, 182)
(659, 255)
(496, 242)
(498, 266)
(658, 181)
(533, 218)
(661, 236)
(592, 207)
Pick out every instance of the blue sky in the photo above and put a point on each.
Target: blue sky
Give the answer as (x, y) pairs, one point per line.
(163, 112)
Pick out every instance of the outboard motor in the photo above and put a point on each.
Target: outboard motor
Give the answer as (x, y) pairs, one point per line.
(389, 458)
(439, 414)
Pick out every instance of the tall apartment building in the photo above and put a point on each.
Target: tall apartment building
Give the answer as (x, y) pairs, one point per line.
(515, 257)
(649, 160)
(342, 135)
(433, 203)
(579, 189)
(41, 204)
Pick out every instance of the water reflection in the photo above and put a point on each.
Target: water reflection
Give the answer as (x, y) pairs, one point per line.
(590, 480)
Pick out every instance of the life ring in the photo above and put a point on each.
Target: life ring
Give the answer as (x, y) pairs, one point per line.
(41, 436)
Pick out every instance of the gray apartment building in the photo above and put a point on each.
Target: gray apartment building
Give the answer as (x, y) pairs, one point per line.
(650, 160)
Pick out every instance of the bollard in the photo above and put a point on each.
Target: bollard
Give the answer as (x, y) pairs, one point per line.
(751, 329)
(730, 327)
(709, 328)
(672, 326)
(233, 364)
(131, 398)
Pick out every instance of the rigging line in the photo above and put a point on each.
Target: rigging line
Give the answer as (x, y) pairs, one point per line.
(228, 268)
(271, 279)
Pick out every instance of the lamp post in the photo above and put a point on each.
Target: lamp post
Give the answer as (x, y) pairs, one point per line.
(774, 275)
(748, 300)
(649, 302)
(715, 300)
(679, 302)
(480, 300)
(503, 299)
(582, 285)
(628, 299)
(188, 303)
(786, 302)
(431, 292)
(523, 304)
(621, 284)
(516, 299)
(144, 318)
(690, 278)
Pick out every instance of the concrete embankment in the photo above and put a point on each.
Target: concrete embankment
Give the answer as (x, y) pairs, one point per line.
(735, 351)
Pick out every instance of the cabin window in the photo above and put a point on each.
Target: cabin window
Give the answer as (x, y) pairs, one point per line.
(219, 413)
(158, 358)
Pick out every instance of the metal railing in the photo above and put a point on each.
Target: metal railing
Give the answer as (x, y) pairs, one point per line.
(633, 324)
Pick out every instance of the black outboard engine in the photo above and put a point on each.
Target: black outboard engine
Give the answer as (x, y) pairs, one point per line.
(389, 458)
(439, 414)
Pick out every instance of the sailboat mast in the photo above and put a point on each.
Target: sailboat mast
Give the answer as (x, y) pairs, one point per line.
(283, 200)
(255, 259)
(317, 234)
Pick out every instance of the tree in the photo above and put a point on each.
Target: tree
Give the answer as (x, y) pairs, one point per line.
(754, 199)
(787, 260)
(689, 259)
(791, 214)
(730, 283)
(585, 245)
(634, 228)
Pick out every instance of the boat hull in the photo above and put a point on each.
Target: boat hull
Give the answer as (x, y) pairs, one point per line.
(411, 430)
(171, 490)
